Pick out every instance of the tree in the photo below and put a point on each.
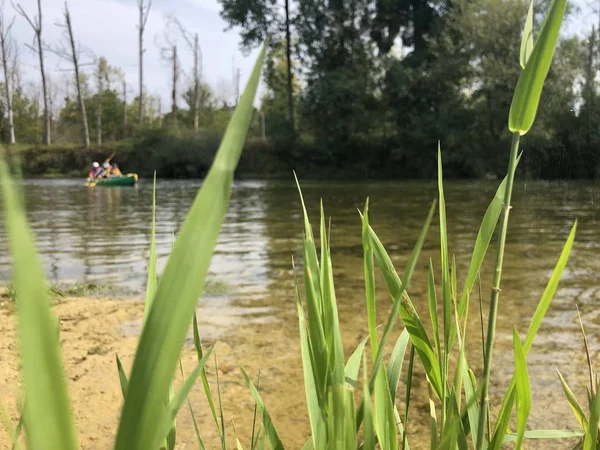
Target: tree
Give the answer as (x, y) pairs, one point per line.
(258, 19)
(194, 46)
(9, 55)
(102, 74)
(36, 25)
(144, 11)
(168, 53)
(72, 51)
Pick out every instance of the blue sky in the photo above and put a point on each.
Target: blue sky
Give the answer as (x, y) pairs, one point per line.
(108, 28)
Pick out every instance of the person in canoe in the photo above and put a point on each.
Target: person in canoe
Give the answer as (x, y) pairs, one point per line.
(95, 171)
(115, 171)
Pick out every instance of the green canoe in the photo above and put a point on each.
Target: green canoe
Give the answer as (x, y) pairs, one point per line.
(127, 180)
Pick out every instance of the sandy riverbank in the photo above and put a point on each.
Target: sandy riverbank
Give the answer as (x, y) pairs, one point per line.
(94, 330)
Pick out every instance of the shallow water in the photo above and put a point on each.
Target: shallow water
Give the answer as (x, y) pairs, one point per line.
(102, 235)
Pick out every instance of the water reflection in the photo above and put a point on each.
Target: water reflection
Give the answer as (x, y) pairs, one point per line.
(102, 235)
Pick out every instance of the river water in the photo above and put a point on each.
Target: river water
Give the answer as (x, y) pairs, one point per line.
(101, 235)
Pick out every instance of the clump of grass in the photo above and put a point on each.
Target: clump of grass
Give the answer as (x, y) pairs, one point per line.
(341, 416)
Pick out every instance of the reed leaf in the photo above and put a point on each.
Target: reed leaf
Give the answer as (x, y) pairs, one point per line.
(404, 307)
(394, 367)
(545, 434)
(166, 423)
(269, 429)
(48, 418)
(590, 441)
(122, 377)
(353, 365)
(368, 431)
(529, 87)
(522, 387)
(315, 414)
(182, 282)
(527, 38)
(573, 403)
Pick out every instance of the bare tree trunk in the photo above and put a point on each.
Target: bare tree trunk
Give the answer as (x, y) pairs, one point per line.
(196, 105)
(47, 137)
(144, 11)
(75, 58)
(36, 25)
(174, 91)
(6, 47)
(288, 56)
(124, 107)
(160, 117)
(99, 108)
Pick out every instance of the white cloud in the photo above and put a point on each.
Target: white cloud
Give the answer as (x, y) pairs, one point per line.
(108, 28)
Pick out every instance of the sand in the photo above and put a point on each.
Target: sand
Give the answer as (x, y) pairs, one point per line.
(93, 331)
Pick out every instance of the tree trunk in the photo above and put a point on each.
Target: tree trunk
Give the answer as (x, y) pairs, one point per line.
(174, 90)
(159, 112)
(124, 107)
(196, 105)
(84, 122)
(99, 108)
(288, 56)
(141, 50)
(7, 81)
(47, 138)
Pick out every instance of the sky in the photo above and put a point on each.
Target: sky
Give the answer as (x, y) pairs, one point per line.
(109, 28)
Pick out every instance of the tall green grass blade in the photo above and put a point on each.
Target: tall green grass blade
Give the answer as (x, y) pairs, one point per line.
(368, 431)
(433, 314)
(472, 406)
(538, 316)
(529, 87)
(432, 417)
(409, 377)
(203, 376)
(545, 434)
(221, 415)
(573, 403)
(522, 387)
(254, 437)
(199, 439)
(151, 282)
(369, 272)
(333, 335)
(182, 281)
(503, 418)
(482, 242)
(590, 441)
(166, 423)
(314, 305)
(527, 38)
(446, 289)
(48, 418)
(405, 308)
(394, 367)
(549, 291)
(383, 413)
(17, 433)
(353, 365)
(122, 377)
(315, 414)
(269, 429)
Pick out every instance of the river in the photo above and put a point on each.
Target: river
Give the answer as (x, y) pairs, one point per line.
(102, 235)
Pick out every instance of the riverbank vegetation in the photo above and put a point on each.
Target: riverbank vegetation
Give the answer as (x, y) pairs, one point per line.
(351, 402)
(363, 89)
